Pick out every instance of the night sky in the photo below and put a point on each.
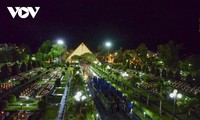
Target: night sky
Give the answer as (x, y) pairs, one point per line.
(127, 23)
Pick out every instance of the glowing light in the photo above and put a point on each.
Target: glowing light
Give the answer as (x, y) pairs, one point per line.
(108, 67)
(95, 62)
(108, 44)
(79, 93)
(175, 91)
(172, 95)
(124, 74)
(179, 95)
(83, 98)
(60, 42)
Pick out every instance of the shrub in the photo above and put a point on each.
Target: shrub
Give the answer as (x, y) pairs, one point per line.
(3, 104)
(11, 98)
(42, 104)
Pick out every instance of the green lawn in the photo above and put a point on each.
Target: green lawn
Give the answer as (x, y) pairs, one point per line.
(59, 91)
(14, 108)
(50, 113)
(55, 99)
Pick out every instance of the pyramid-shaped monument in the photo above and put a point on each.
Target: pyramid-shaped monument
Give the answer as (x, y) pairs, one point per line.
(80, 50)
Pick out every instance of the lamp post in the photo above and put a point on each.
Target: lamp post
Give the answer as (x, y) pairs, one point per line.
(79, 97)
(108, 45)
(21, 105)
(60, 42)
(175, 95)
(27, 98)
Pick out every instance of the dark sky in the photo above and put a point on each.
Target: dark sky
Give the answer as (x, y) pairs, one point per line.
(127, 23)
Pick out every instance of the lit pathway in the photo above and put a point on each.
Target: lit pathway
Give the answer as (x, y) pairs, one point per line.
(63, 103)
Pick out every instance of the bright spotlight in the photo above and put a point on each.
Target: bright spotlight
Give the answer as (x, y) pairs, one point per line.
(60, 42)
(108, 44)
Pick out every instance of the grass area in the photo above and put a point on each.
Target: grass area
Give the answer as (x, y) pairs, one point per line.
(41, 82)
(15, 108)
(30, 104)
(55, 99)
(50, 113)
(24, 101)
(59, 91)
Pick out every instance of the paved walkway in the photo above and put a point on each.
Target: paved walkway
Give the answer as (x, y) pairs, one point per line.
(63, 103)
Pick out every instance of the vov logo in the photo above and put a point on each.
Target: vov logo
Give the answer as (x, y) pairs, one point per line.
(23, 12)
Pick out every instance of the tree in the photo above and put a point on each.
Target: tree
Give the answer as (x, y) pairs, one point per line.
(42, 104)
(177, 75)
(29, 66)
(141, 52)
(15, 69)
(189, 78)
(193, 62)
(157, 72)
(188, 105)
(160, 86)
(57, 82)
(11, 98)
(39, 56)
(152, 70)
(101, 54)
(87, 57)
(15, 55)
(57, 50)
(46, 46)
(76, 57)
(4, 57)
(127, 57)
(164, 73)
(80, 116)
(25, 48)
(43, 50)
(23, 67)
(138, 67)
(34, 64)
(5, 70)
(3, 104)
(134, 80)
(170, 74)
(119, 58)
(169, 54)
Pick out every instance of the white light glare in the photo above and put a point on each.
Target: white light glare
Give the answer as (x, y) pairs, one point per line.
(108, 44)
(179, 95)
(60, 42)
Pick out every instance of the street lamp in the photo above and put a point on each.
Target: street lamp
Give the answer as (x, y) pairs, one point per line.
(108, 45)
(27, 98)
(21, 105)
(60, 42)
(79, 96)
(175, 95)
